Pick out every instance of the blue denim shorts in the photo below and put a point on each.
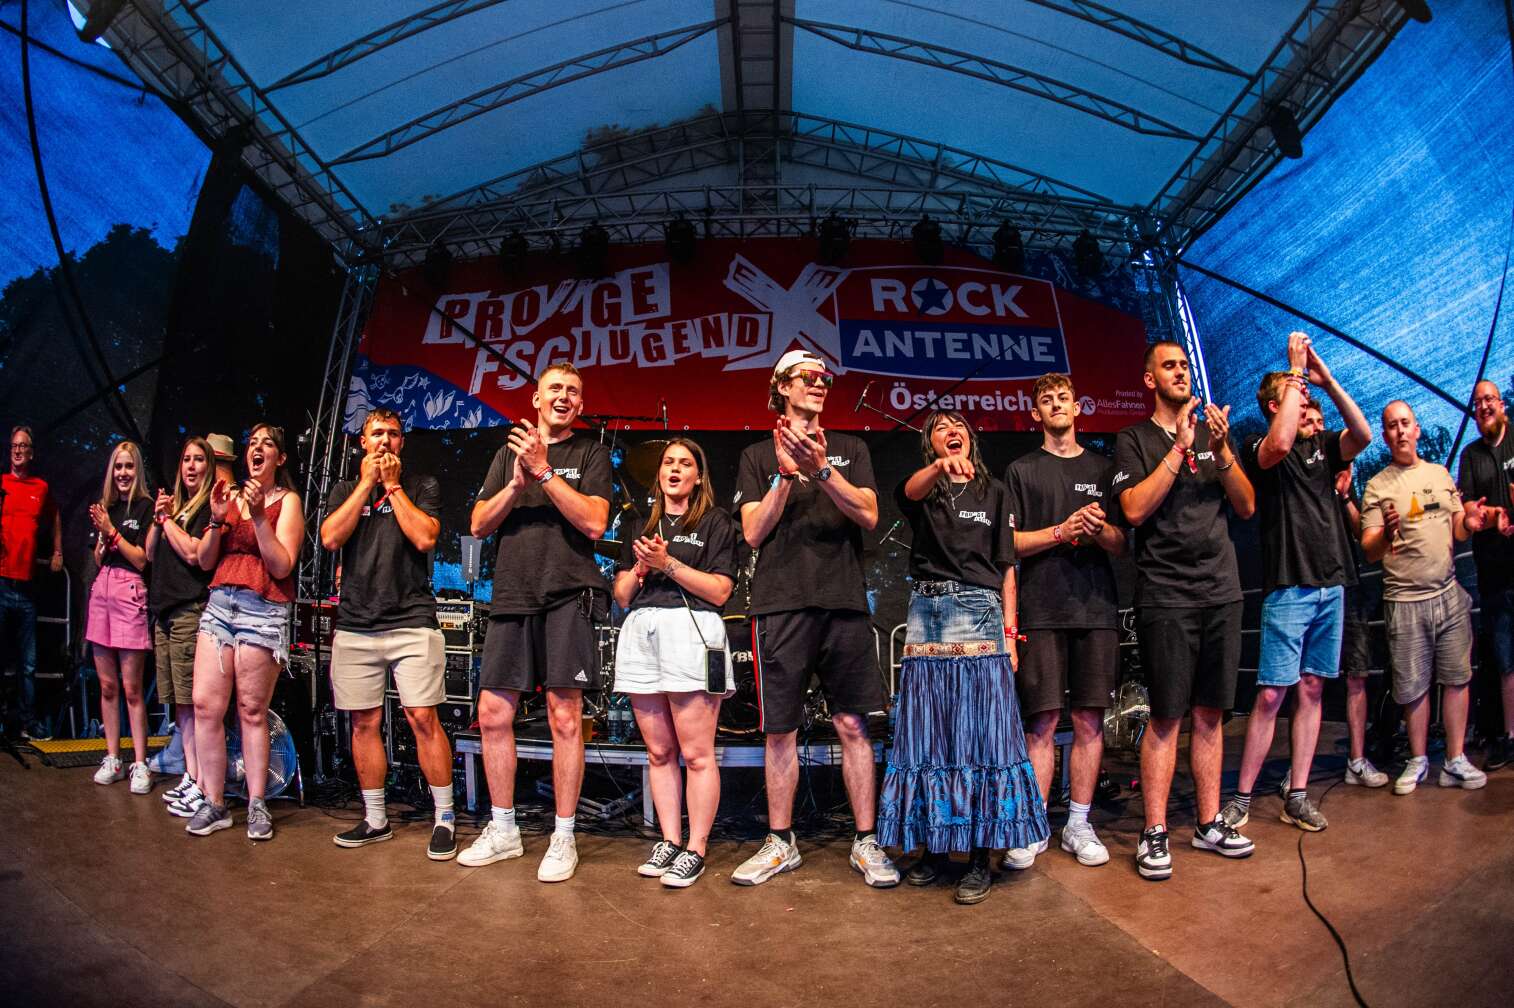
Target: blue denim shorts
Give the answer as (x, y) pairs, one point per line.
(1301, 634)
(948, 612)
(235, 616)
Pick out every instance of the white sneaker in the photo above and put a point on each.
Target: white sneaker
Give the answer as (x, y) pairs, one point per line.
(110, 770)
(1416, 770)
(141, 778)
(187, 804)
(1460, 772)
(561, 859)
(1364, 774)
(1082, 841)
(1021, 858)
(179, 790)
(876, 868)
(493, 844)
(775, 856)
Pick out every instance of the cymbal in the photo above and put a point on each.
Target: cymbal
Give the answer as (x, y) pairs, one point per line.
(643, 459)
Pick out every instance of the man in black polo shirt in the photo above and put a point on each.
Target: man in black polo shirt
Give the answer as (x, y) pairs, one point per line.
(1487, 466)
(804, 498)
(1173, 478)
(548, 495)
(1068, 606)
(1306, 566)
(385, 524)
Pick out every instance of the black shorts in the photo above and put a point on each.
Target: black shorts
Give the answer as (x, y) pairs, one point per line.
(1081, 667)
(1189, 657)
(839, 646)
(555, 649)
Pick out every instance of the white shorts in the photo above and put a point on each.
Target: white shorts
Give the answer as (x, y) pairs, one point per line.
(659, 651)
(362, 662)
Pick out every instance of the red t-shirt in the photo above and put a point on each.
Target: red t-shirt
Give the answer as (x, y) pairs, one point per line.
(27, 507)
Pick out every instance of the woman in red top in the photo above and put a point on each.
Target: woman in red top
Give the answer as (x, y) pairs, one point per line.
(252, 543)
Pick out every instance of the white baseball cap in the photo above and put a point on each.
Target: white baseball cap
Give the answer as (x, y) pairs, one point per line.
(796, 357)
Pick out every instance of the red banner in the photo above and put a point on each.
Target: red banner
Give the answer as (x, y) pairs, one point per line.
(701, 338)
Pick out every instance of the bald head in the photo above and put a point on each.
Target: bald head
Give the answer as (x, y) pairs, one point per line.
(1401, 432)
(1488, 410)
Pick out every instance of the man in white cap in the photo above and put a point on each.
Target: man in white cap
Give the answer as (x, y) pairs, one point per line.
(805, 497)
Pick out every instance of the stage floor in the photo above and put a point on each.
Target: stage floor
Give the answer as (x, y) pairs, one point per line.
(106, 901)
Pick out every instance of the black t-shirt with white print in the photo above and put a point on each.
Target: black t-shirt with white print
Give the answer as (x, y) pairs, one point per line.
(1064, 587)
(386, 582)
(1485, 473)
(171, 581)
(1183, 555)
(813, 556)
(543, 560)
(131, 519)
(965, 535)
(709, 547)
(1305, 542)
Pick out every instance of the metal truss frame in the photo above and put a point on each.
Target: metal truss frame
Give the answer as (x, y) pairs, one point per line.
(1325, 49)
(1146, 34)
(995, 72)
(524, 86)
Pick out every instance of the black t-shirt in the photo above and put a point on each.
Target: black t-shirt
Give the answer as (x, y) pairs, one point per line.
(386, 581)
(131, 519)
(172, 582)
(1305, 541)
(813, 556)
(1485, 472)
(709, 547)
(1183, 555)
(1067, 586)
(543, 560)
(969, 537)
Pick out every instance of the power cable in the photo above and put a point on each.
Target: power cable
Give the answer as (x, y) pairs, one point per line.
(1340, 942)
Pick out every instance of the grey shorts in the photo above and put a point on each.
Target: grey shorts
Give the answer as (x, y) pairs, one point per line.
(1429, 640)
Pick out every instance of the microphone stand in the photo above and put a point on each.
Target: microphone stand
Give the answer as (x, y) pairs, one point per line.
(863, 404)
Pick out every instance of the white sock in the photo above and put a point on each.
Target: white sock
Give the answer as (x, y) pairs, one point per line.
(1077, 815)
(561, 825)
(1357, 765)
(441, 797)
(373, 801)
(503, 818)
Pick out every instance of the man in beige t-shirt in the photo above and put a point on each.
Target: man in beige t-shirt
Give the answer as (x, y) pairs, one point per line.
(1411, 520)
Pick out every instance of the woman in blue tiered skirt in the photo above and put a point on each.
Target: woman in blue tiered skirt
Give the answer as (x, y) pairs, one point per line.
(958, 778)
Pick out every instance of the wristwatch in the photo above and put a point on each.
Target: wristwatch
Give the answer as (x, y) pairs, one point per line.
(823, 473)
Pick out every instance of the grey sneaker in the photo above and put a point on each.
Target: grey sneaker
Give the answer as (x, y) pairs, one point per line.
(1416, 770)
(1302, 813)
(207, 819)
(1234, 816)
(876, 868)
(1460, 772)
(259, 822)
(660, 860)
(775, 856)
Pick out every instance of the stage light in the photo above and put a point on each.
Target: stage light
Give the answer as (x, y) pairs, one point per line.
(1009, 249)
(1284, 126)
(593, 252)
(1416, 9)
(1087, 258)
(680, 239)
(927, 238)
(437, 267)
(835, 238)
(98, 21)
(513, 249)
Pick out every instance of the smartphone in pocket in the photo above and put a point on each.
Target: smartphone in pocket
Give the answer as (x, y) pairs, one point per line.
(714, 671)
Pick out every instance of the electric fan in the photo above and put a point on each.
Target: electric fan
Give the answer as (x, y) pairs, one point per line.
(283, 761)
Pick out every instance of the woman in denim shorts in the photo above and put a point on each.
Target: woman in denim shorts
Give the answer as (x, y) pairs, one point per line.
(958, 777)
(252, 543)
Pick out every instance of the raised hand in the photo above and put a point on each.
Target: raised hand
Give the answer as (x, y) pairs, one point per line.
(1343, 481)
(100, 518)
(1187, 426)
(1317, 372)
(367, 470)
(517, 473)
(254, 496)
(808, 453)
(785, 460)
(1476, 514)
(1392, 524)
(525, 441)
(955, 465)
(162, 506)
(1298, 351)
(652, 552)
(1217, 419)
(388, 466)
(220, 500)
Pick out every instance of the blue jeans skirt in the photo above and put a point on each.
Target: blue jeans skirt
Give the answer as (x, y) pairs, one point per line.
(958, 776)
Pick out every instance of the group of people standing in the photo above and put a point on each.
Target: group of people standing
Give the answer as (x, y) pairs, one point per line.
(1012, 615)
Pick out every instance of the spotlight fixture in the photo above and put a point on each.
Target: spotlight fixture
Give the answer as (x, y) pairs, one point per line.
(437, 267)
(835, 237)
(593, 252)
(1087, 258)
(513, 249)
(1284, 126)
(1009, 249)
(681, 240)
(926, 235)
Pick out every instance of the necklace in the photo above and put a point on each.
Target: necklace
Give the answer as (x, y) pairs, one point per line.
(959, 493)
(1188, 453)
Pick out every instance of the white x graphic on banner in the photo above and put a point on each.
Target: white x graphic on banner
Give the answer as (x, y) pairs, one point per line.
(793, 311)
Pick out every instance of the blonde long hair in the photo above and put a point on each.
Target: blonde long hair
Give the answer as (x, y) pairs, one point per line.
(108, 494)
(183, 511)
(700, 502)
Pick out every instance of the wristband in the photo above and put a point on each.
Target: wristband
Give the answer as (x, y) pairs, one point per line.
(159, 519)
(1013, 633)
(545, 476)
(213, 525)
(1227, 465)
(1056, 533)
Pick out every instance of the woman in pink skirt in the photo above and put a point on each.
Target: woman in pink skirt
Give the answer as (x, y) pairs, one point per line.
(117, 626)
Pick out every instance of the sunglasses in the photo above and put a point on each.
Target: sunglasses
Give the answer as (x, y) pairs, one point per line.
(811, 378)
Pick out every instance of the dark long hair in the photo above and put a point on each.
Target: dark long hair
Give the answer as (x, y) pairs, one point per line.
(942, 489)
(700, 501)
(281, 474)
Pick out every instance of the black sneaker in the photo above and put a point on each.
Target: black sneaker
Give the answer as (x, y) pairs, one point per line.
(1223, 839)
(974, 886)
(684, 871)
(660, 860)
(1153, 860)
(443, 845)
(362, 834)
(1498, 753)
(925, 871)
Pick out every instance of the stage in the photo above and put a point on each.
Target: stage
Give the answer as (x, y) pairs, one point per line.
(107, 901)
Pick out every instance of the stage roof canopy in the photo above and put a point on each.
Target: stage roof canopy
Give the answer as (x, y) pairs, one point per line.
(394, 124)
